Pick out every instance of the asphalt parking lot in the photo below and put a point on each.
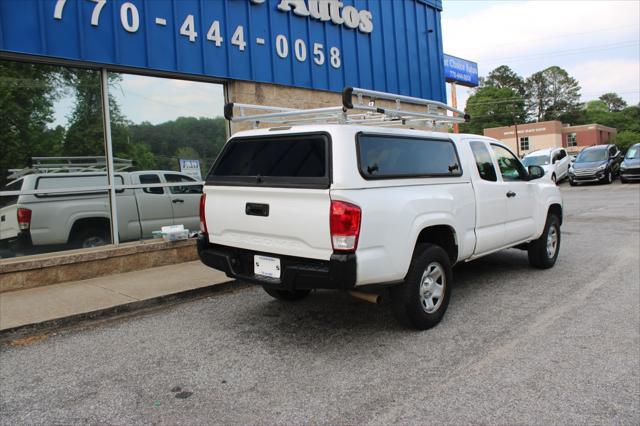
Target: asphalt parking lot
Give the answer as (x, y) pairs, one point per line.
(517, 345)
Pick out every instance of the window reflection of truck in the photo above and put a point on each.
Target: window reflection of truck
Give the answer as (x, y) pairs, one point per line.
(81, 219)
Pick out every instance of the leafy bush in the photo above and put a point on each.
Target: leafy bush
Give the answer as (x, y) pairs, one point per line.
(625, 139)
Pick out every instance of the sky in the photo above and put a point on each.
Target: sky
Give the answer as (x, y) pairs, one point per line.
(597, 42)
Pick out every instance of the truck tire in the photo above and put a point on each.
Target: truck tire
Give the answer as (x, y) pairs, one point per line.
(543, 252)
(91, 237)
(287, 295)
(421, 301)
(572, 182)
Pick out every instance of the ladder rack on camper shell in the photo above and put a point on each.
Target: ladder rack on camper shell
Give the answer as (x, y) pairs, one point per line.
(366, 111)
(69, 165)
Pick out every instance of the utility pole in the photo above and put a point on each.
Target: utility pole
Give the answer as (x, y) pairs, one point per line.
(515, 123)
(454, 103)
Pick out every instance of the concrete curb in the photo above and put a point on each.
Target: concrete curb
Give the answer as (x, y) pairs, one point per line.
(113, 311)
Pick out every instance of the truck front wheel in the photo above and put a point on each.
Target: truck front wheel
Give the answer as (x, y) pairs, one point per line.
(421, 301)
(543, 252)
(287, 295)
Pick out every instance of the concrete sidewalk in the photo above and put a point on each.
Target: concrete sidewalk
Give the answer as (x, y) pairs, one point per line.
(59, 301)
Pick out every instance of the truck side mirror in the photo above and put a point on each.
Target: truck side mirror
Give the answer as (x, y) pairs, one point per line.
(535, 172)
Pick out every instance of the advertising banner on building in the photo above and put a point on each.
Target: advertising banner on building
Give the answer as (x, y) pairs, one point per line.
(460, 71)
(393, 46)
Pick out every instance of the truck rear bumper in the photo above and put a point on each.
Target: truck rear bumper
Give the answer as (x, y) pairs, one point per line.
(22, 241)
(297, 273)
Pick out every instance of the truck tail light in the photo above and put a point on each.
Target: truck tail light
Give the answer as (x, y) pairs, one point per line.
(344, 222)
(203, 220)
(24, 218)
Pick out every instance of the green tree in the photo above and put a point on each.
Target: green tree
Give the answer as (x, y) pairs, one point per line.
(595, 107)
(205, 136)
(187, 153)
(143, 158)
(27, 95)
(493, 107)
(613, 101)
(626, 138)
(85, 135)
(551, 93)
(505, 77)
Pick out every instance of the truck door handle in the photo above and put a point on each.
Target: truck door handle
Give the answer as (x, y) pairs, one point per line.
(177, 200)
(254, 209)
(511, 194)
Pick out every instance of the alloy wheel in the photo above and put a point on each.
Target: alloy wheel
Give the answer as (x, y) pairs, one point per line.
(432, 286)
(552, 242)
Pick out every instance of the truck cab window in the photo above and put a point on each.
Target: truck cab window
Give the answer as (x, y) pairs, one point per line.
(510, 167)
(151, 179)
(190, 189)
(483, 161)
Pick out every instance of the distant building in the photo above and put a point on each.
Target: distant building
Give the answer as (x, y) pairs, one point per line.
(552, 134)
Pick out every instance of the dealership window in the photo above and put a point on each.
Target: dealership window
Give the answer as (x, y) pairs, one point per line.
(524, 143)
(53, 155)
(171, 131)
(571, 140)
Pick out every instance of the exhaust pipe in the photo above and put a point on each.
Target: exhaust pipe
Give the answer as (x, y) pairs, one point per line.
(367, 297)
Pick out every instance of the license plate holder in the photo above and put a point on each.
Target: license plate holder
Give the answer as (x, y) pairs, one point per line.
(266, 266)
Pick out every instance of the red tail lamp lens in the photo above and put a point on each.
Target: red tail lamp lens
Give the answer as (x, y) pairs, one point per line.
(345, 226)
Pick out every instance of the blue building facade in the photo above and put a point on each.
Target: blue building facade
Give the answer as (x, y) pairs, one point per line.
(387, 45)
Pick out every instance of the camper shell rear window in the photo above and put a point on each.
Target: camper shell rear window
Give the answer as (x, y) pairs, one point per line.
(288, 161)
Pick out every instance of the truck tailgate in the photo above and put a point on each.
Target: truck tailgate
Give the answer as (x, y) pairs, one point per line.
(287, 221)
(9, 222)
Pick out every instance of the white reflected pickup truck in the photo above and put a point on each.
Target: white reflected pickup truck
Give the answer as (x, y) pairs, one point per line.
(81, 219)
(371, 210)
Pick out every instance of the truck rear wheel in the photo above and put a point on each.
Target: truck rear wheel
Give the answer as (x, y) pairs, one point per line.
(287, 295)
(421, 301)
(91, 237)
(543, 252)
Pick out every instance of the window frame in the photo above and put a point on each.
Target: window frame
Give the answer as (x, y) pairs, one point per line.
(491, 157)
(323, 182)
(524, 139)
(148, 189)
(69, 193)
(495, 159)
(189, 183)
(412, 176)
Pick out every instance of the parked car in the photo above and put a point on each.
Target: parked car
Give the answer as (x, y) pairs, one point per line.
(371, 210)
(630, 167)
(554, 161)
(598, 163)
(82, 219)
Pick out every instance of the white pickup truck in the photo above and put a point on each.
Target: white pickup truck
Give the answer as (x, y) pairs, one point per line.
(81, 219)
(371, 210)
